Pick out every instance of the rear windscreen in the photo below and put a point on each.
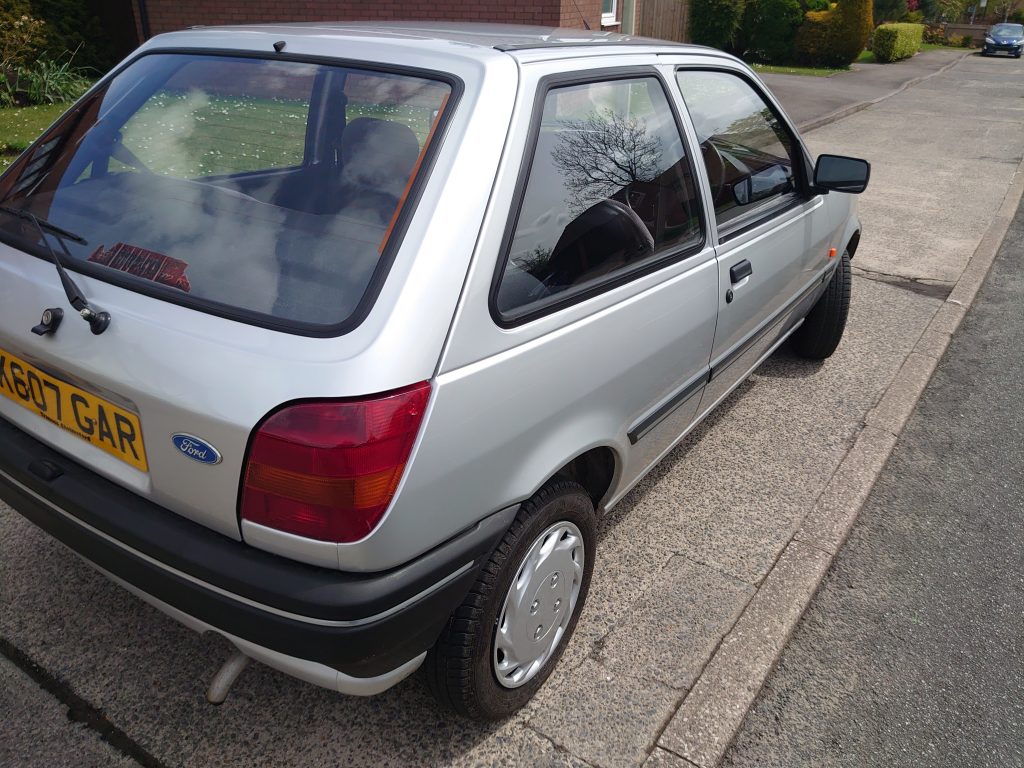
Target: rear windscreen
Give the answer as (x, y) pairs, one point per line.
(267, 187)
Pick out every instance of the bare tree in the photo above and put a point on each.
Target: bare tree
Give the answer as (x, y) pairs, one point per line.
(604, 152)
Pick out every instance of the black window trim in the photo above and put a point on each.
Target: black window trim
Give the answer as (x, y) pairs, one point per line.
(572, 297)
(769, 209)
(259, 319)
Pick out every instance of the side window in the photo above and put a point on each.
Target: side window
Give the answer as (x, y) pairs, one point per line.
(748, 154)
(609, 188)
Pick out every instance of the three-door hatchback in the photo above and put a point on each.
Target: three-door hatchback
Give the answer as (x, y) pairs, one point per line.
(335, 340)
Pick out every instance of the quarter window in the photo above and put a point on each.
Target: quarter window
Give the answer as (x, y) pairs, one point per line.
(746, 150)
(609, 189)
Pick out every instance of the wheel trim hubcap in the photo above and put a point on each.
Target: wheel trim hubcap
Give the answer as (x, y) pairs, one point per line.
(539, 604)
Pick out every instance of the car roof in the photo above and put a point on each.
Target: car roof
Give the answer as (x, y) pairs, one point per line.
(555, 42)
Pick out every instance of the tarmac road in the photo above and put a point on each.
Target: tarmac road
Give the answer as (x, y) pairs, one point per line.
(912, 652)
(678, 560)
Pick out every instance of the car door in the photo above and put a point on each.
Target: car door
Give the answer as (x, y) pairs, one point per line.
(596, 323)
(769, 256)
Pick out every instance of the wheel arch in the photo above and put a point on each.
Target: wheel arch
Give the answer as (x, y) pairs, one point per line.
(596, 469)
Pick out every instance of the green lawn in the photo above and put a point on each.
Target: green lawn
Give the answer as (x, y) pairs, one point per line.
(772, 69)
(19, 127)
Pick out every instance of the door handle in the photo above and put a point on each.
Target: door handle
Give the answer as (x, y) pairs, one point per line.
(739, 271)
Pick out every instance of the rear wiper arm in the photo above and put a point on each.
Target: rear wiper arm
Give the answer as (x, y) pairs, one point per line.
(98, 321)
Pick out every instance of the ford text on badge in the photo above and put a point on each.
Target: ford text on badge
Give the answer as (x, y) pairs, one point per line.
(196, 449)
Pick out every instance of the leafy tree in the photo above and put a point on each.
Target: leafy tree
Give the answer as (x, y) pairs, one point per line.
(716, 22)
(951, 10)
(769, 30)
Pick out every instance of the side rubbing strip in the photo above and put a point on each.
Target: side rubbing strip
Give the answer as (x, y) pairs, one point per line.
(649, 423)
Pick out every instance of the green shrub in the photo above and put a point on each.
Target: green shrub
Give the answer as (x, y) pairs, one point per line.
(47, 81)
(966, 41)
(834, 38)
(769, 30)
(817, 5)
(893, 42)
(716, 22)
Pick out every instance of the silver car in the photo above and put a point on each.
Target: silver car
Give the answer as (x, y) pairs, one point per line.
(335, 340)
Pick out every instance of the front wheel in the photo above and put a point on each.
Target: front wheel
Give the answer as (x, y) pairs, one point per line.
(823, 327)
(505, 639)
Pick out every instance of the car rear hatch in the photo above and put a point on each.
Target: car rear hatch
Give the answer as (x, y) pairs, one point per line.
(237, 218)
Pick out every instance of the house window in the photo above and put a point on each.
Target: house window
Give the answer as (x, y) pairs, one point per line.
(608, 12)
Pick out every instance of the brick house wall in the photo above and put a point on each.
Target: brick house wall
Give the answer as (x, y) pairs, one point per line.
(167, 15)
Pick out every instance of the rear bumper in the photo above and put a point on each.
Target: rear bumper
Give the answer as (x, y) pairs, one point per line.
(360, 625)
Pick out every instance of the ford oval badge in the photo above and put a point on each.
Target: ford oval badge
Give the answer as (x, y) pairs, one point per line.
(196, 448)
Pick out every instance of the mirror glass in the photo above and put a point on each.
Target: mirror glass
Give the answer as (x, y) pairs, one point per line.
(842, 174)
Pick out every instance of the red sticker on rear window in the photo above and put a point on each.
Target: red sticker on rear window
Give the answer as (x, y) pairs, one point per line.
(149, 265)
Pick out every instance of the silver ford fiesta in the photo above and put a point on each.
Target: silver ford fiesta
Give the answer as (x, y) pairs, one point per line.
(336, 340)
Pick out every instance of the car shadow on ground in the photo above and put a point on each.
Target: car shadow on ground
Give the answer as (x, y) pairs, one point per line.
(786, 364)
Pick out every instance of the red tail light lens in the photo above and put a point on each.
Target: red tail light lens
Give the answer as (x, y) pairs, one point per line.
(328, 470)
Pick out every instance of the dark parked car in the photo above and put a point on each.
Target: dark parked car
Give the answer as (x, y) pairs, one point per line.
(1008, 38)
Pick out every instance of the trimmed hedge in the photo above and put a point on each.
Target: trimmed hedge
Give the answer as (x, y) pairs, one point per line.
(893, 42)
(834, 38)
(716, 22)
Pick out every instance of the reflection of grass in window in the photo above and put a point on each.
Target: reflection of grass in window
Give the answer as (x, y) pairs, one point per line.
(236, 134)
(224, 135)
(418, 118)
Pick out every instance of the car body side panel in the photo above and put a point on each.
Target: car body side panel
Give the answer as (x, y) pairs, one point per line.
(513, 405)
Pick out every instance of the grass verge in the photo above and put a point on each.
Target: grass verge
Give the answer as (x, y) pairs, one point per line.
(19, 127)
(773, 69)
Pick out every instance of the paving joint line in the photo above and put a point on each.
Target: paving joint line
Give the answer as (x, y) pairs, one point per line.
(554, 744)
(676, 754)
(79, 710)
(713, 746)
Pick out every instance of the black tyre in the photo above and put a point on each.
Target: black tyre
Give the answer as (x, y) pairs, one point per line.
(823, 327)
(502, 643)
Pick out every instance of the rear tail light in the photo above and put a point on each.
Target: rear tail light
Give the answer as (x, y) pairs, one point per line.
(328, 470)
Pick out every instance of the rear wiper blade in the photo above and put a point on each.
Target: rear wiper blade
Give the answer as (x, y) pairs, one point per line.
(98, 321)
(44, 224)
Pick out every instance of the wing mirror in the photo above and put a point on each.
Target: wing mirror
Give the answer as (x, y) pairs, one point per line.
(841, 174)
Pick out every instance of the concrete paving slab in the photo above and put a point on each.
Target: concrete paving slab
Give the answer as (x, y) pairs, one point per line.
(932, 343)
(895, 407)
(837, 507)
(704, 725)
(689, 609)
(37, 732)
(608, 718)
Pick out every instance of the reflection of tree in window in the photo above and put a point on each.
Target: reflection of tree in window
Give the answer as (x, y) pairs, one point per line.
(604, 153)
